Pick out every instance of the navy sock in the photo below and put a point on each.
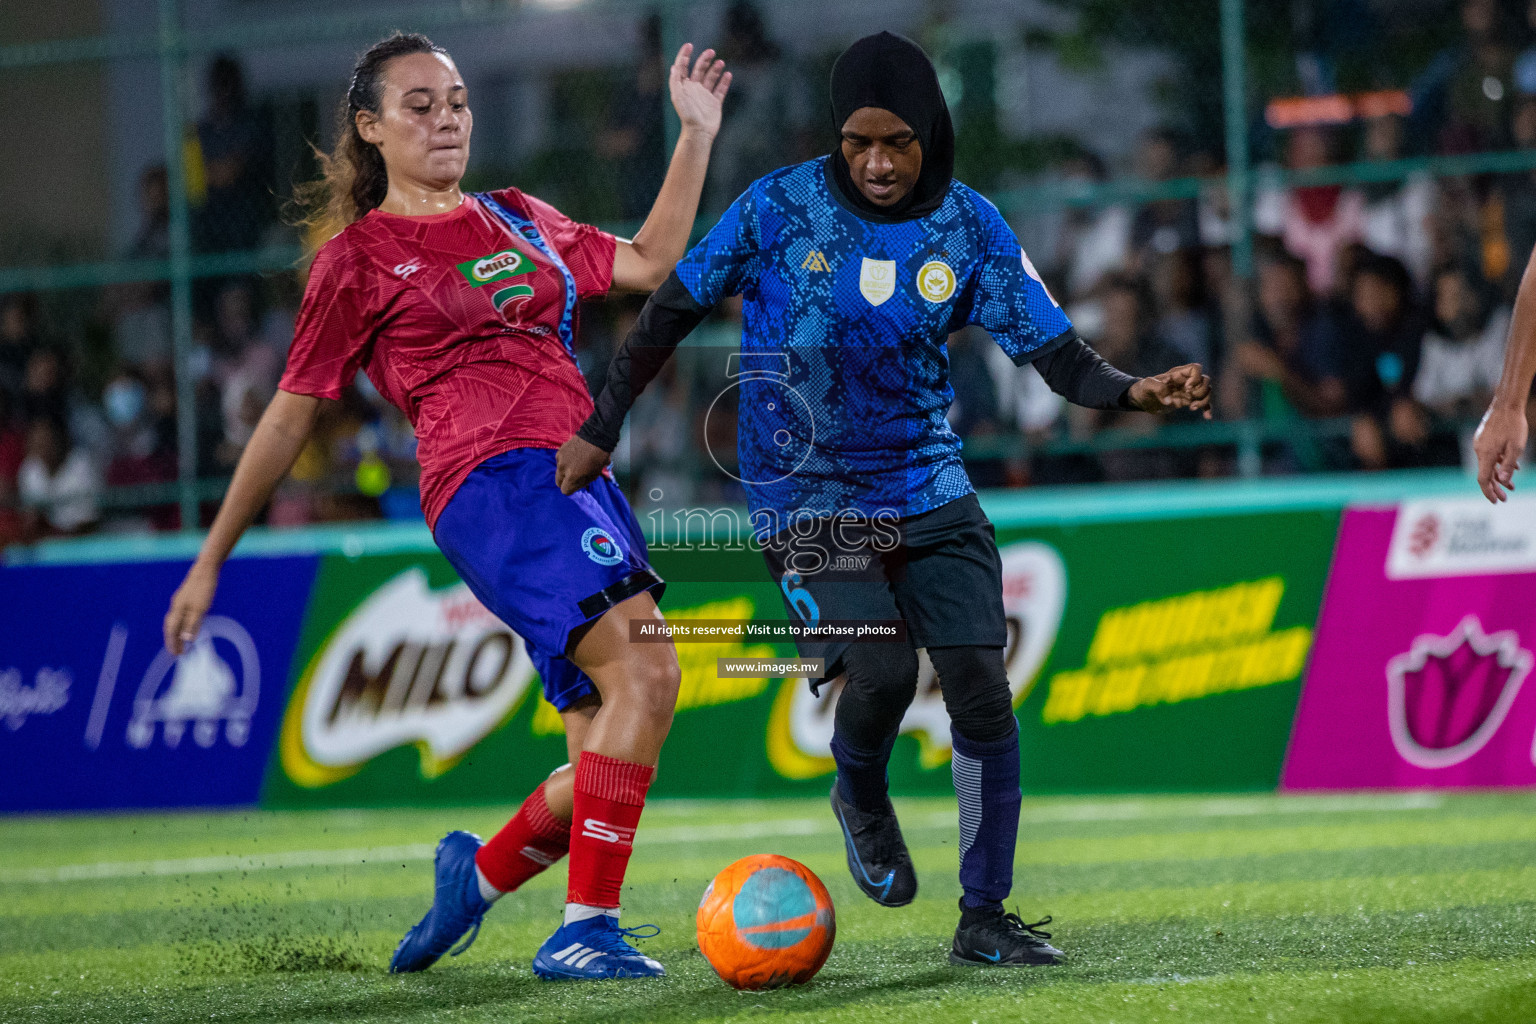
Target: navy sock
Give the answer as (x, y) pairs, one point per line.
(861, 773)
(987, 786)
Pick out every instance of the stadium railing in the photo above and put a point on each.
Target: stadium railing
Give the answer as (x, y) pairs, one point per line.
(174, 42)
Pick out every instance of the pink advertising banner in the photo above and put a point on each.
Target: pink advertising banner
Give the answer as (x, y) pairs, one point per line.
(1420, 671)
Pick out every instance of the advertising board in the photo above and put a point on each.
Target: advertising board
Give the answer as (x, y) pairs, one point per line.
(1424, 652)
(95, 713)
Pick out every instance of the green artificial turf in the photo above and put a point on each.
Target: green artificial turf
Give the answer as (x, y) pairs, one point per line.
(1392, 908)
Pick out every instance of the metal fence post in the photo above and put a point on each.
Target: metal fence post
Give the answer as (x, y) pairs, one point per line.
(671, 39)
(1234, 76)
(172, 52)
(1250, 449)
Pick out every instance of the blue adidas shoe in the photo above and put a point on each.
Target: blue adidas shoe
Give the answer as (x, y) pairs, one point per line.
(596, 948)
(457, 907)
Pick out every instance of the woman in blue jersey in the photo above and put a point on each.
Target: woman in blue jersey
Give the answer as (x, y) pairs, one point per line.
(855, 268)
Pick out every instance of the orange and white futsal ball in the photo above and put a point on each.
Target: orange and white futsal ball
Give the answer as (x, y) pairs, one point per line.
(765, 922)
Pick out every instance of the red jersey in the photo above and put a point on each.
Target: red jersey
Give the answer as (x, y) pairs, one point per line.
(455, 318)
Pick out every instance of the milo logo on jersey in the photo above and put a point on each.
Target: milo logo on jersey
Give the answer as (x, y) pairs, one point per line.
(499, 266)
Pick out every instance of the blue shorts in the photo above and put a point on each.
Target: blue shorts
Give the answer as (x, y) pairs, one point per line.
(545, 563)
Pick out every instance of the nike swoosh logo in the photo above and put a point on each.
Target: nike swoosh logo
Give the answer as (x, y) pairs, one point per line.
(995, 957)
(884, 885)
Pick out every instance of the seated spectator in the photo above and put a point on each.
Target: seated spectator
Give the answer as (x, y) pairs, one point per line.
(1093, 241)
(1518, 195)
(236, 322)
(142, 451)
(1167, 225)
(1214, 207)
(1347, 266)
(140, 310)
(1456, 223)
(1184, 323)
(1464, 349)
(19, 338)
(1397, 212)
(47, 392)
(58, 482)
(1315, 221)
(13, 448)
(1383, 334)
(1128, 340)
(235, 152)
(1291, 360)
(1129, 343)
(249, 384)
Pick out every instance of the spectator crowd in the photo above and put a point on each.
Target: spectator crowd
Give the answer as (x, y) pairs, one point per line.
(1369, 337)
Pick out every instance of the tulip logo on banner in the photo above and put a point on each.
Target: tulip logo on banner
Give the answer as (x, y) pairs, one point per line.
(1448, 695)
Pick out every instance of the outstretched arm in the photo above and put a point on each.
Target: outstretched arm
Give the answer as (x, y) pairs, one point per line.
(642, 264)
(1502, 434)
(275, 444)
(1082, 376)
(668, 317)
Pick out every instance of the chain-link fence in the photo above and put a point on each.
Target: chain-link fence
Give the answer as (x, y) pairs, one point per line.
(1328, 201)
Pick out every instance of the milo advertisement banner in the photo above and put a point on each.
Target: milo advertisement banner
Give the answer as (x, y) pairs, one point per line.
(1421, 676)
(407, 689)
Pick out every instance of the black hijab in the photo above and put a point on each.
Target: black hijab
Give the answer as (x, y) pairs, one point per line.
(893, 73)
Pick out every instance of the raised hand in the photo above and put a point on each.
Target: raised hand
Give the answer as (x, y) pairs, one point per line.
(1499, 442)
(1183, 387)
(698, 95)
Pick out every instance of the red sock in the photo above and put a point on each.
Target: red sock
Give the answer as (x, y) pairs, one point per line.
(532, 841)
(610, 794)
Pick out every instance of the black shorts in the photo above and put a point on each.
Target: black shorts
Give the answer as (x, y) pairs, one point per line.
(939, 572)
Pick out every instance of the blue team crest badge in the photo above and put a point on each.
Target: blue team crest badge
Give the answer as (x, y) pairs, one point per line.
(936, 281)
(601, 547)
(877, 280)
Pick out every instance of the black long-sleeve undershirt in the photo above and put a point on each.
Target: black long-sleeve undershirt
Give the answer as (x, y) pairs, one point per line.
(1077, 373)
(1070, 367)
(668, 317)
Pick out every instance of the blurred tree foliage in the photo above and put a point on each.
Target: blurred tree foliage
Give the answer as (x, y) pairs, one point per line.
(1292, 47)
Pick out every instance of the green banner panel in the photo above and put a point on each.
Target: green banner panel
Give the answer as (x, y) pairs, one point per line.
(1180, 653)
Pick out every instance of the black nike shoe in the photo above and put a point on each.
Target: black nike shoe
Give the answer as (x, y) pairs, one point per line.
(877, 855)
(988, 937)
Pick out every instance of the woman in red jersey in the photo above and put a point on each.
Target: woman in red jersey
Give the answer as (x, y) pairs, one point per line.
(461, 310)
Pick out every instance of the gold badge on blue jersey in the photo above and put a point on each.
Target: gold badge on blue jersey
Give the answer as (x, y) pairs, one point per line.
(936, 281)
(877, 280)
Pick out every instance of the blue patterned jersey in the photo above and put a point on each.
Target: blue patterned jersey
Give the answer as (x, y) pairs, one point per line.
(843, 373)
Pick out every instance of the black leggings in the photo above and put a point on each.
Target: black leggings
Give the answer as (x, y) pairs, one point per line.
(882, 680)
